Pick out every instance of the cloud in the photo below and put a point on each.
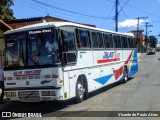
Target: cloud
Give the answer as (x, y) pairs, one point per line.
(131, 23)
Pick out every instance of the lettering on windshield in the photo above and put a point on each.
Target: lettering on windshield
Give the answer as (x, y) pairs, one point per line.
(39, 31)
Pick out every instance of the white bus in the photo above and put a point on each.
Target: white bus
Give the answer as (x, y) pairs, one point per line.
(61, 60)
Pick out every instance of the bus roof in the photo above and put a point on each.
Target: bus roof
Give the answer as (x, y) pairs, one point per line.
(59, 24)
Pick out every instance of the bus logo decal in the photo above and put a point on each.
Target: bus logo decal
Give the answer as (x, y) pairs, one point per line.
(45, 81)
(109, 57)
(27, 83)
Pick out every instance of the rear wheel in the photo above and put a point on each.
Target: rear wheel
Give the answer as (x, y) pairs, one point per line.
(125, 75)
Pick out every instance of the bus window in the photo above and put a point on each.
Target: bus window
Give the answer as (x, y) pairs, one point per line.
(83, 39)
(94, 40)
(69, 47)
(117, 41)
(130, 41)
(124, 42)
(108, 41)
(16, 50)
(97, 40)
(100, 40)
(134, 43)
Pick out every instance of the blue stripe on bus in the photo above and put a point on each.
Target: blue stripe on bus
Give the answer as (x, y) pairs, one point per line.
(103, 80)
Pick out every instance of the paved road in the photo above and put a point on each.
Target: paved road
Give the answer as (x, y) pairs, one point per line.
(141, 93)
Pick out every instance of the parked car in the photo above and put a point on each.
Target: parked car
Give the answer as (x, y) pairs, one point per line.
(151, 51)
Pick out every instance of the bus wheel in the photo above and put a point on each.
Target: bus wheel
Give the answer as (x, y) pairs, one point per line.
(1, 94)
(80, 90)
(125, 75)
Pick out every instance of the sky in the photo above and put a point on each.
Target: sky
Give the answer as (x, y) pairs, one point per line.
(96, 12)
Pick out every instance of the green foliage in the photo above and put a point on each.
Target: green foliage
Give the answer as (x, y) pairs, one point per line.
(153, 41)
(6, 13)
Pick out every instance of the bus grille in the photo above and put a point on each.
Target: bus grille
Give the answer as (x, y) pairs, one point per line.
(29, 96)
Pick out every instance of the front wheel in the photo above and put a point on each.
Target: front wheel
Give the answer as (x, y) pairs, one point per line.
(80, 90)
(1, 91)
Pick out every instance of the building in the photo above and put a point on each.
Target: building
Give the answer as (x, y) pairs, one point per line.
(17, 23)
(3, 27)
(141, 45)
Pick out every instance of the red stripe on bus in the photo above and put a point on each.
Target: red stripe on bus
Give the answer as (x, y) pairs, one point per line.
(108, 60)
(118, 72)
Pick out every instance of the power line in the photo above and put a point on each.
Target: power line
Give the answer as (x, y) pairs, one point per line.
(111, 1)
(69, 11)
(22, 2)
(125, 14)
(136, 8)
(107, 16)
(123, 6)
(124, 28)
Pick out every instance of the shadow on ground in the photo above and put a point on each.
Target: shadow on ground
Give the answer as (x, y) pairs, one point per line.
(48, 108)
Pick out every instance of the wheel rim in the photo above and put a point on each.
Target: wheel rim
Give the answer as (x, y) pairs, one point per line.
(80, 90)
(125, 75)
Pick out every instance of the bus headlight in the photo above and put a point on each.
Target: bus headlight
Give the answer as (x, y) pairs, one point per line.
(52, 93)
(48, 93)
(10, 94)
(45, 93)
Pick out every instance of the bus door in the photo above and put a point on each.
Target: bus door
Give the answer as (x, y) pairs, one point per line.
(69, 56)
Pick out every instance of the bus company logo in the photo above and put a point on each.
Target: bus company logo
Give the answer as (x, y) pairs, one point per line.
(108, 55)
(11, 83)
(27, 83)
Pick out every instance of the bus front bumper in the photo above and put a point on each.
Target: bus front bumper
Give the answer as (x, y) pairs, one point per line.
(34, 95)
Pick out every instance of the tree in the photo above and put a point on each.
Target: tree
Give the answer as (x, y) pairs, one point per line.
(153, 41)
(6, 13)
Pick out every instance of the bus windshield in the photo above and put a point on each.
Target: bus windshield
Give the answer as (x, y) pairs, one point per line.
(32, 48)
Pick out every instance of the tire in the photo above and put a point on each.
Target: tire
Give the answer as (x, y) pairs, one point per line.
(125, 75)
(1, 95)
(80, 91)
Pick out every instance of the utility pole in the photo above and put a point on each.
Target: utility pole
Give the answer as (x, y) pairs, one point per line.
(138, 23)
(116, 17)
(137, 35)
(147, 25)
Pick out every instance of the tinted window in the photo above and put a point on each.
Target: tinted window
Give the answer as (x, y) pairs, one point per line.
(117, 41)
(134, 43)
(124, 42)
(69, 43)
(130, 41)
(108, 41)
(100, 40)
(83, 39)
(97, 40)
(69, 47)
(94, 40)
